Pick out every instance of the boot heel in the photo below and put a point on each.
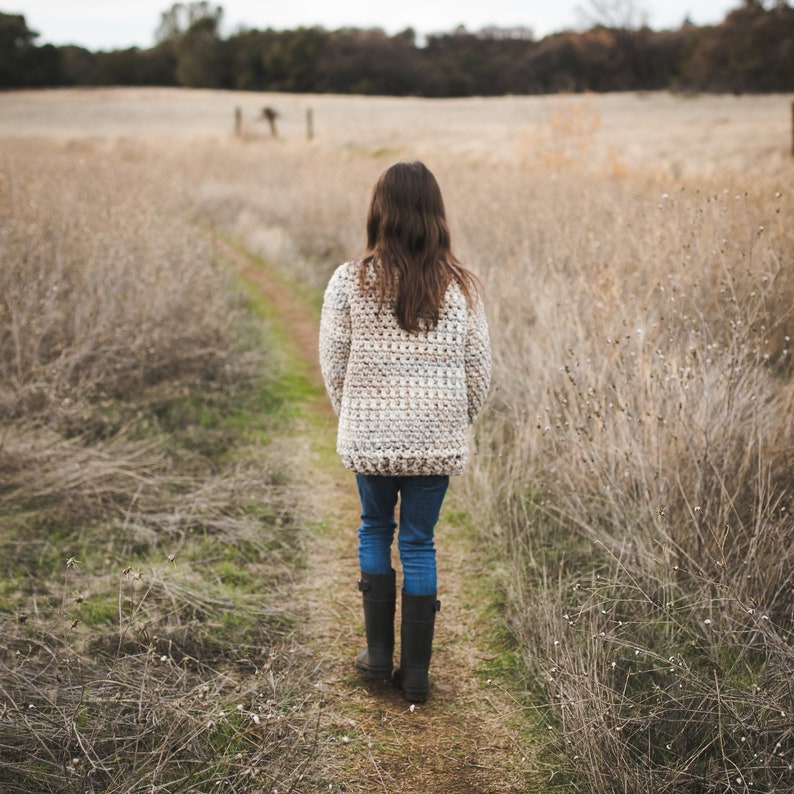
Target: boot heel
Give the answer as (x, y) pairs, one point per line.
(375, 672)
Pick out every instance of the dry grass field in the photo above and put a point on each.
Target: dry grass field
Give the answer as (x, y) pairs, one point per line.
(633, 473)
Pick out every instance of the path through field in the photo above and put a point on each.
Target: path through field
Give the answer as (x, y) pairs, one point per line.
(370, 738)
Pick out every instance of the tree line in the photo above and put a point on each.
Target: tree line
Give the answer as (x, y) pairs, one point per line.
(752, 50)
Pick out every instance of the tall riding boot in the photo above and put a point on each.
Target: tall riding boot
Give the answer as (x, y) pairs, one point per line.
(416, 637)
(379, 595)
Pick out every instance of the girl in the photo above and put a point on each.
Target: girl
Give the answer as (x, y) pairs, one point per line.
(405, 355)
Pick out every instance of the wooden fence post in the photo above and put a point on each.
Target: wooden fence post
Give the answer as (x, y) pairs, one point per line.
(309, 124)
(238, 121)
(792, 129)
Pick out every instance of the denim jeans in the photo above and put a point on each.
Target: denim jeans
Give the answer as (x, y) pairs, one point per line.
(420, 505)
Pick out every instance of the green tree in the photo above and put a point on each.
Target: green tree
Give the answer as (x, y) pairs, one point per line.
(21, 62)
(752, 50)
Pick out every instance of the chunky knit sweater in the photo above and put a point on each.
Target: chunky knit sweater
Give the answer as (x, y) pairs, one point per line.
(404, 400)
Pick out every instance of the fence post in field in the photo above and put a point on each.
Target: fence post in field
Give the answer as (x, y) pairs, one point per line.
(792, 129)
(270, 114)
(309, 124)
(238, 121)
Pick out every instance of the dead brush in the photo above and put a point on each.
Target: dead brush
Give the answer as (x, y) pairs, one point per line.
(105, 290)
(146, 630)
(636, 462)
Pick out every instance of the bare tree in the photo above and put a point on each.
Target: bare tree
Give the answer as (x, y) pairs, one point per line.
(175, 22)
(617, 14)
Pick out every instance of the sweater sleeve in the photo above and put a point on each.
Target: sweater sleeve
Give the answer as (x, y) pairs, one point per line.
(478, 359)
(335, 337)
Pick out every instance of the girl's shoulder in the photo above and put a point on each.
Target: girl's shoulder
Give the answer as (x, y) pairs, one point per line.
(344, 275)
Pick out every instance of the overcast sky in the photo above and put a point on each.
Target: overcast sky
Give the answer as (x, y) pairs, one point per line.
(115, 24)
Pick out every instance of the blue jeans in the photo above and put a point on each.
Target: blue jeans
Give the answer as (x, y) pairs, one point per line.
(420, 505)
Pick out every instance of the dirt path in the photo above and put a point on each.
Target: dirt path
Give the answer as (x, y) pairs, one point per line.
(371, 739)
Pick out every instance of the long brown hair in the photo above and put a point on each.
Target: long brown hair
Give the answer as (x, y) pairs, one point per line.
(409, 259)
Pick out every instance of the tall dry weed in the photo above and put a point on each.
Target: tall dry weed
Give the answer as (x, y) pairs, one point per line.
(106, 289)
(636, 465)
(146, 559)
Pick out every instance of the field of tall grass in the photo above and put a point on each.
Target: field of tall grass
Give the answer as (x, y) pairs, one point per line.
(148, 545)
(633, 471)
(635, 467)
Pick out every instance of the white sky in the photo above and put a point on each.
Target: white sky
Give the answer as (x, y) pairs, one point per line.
(116, 24)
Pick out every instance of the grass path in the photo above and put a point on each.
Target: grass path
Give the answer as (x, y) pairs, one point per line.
(371, 739)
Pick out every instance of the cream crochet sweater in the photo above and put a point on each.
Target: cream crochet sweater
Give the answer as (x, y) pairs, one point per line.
(404, 401)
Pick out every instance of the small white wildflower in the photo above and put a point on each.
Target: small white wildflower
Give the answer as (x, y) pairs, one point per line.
(345, 739)
(240, 707)
(255, 718)
(707, 621)
(412, 709)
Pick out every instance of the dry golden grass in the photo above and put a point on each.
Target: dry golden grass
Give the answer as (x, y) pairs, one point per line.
(634, 466)
(146, 541)
(660, 133)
